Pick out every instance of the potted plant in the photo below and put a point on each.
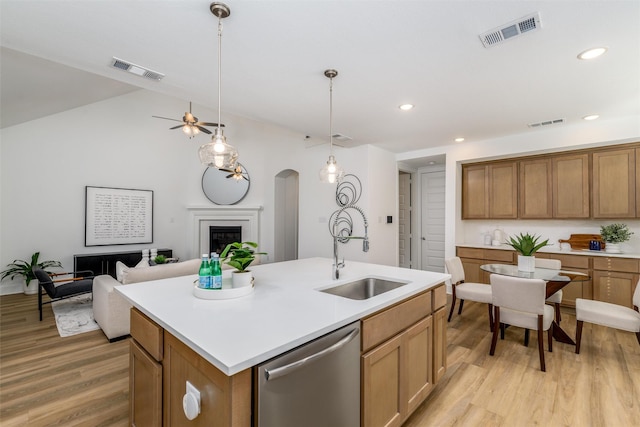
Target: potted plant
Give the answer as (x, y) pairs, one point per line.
(240, 255)
(613, 235)
(526, 245)
(24, 269)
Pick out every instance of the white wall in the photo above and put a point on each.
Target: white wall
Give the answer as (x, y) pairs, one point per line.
(535, 141)
(46, 164)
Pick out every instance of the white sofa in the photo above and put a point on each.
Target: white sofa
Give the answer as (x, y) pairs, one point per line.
(111, 310)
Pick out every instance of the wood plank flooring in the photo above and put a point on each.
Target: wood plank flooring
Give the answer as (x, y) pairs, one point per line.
(46, 380)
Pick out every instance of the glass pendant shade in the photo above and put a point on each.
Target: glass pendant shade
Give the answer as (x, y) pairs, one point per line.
(331, 173)
(218, 153)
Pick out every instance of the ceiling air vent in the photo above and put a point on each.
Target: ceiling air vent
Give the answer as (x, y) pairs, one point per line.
(546, 123)
(136, 69)
(510, 30)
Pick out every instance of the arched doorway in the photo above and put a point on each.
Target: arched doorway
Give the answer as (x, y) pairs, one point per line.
(286, 216)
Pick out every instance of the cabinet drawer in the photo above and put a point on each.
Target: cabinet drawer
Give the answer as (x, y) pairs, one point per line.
(470, 253)
(383, 325)
(147, 333)
(626, 265)
(439, 297)
(572, 261)
(498, 255)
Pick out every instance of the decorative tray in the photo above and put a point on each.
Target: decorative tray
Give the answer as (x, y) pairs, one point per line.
(227, 291)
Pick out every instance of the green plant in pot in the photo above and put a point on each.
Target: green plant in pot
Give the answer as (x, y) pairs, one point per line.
(240, 255)
(24, 269)
(613, 235)
(526, 245)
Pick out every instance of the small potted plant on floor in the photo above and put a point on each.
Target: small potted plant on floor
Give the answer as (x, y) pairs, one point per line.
(526, 245)
(240, 255)
(613, 235)
(24, 269)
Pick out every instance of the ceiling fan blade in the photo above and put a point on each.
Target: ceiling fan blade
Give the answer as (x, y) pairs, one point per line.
(207, 131)
(244, 177)
(209, 124)
(226, 170)
(166, 118)
(230, 175)
(176, 127)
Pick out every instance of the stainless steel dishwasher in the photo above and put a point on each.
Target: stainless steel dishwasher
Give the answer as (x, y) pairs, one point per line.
(314, 385)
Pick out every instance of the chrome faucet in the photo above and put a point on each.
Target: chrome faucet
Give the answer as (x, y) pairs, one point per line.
(337, 238)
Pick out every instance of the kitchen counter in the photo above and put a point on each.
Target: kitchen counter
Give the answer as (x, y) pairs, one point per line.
(555, 250)
(285, 310)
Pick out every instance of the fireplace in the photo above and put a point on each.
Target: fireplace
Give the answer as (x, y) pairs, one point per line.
(201, 219)
(221, 236)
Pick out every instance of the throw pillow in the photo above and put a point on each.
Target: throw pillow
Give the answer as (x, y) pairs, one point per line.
(120, 267)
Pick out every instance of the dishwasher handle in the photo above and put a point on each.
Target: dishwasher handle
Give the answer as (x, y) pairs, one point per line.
(272, 374)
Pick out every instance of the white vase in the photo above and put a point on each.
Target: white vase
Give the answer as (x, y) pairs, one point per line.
(240, 280)
(32, 289)
(612, 248)
(526, 263)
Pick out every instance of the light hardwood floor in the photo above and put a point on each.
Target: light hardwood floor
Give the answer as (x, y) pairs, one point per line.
(46, 380)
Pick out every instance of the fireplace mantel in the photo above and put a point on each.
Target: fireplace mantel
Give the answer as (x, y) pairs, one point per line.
(202, 217)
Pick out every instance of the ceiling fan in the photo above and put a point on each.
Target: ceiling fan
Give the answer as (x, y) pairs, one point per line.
(190, 124)
(238, 173)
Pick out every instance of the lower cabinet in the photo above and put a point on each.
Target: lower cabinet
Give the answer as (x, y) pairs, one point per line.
(615, 279)
(145, 385)
(400, 364)
(473, 258)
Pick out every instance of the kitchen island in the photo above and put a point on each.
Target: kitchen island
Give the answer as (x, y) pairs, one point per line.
(285, 310)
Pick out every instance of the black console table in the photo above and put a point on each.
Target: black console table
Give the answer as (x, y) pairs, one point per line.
(105, 263)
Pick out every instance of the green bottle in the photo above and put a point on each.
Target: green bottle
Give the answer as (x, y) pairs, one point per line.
(216, 271)
(204, 274)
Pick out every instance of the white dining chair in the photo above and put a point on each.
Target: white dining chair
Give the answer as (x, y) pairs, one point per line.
(556, 298)
(479, 292)
(521, 302)
(609, 315)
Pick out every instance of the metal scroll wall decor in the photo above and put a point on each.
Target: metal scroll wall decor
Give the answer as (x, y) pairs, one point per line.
(341, 223)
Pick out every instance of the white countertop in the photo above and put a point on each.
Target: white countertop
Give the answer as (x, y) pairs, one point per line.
(555, 250)
(284, 311)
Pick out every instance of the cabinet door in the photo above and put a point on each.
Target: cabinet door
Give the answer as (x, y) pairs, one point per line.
(570, 176)
(418, 363)
(475, 192)
(535, 185)
(637, 182)
(381, 385)
(145, 388)
(614, 287)
(503, 190)
(614, 184)
(439, 344)
(472, 272)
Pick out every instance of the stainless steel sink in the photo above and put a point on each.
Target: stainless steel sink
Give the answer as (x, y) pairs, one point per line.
(364, 288)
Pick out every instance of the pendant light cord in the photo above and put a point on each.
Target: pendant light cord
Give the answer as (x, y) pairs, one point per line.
(219, 67)
(331, 116)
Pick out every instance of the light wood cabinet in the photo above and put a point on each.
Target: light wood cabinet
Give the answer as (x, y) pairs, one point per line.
(399, 372)
(473, 258)
(570, 175)
(490, 191)
(615, 279)
(614, 183)
(145, 388)
(535, 189)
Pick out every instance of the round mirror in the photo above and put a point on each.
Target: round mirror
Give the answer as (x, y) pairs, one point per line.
(225, 186)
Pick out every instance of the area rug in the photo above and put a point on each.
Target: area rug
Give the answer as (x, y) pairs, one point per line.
(74, 315)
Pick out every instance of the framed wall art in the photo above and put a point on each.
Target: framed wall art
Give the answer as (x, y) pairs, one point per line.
(118, 216)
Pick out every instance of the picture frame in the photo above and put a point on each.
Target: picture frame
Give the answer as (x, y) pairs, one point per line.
(118, 216)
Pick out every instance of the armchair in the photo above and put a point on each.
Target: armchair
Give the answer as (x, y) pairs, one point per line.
(66, 288)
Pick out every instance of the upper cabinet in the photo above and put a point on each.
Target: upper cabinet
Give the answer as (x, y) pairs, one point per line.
(594, 183)
(490, 191)
(570, 186)
(614, 183)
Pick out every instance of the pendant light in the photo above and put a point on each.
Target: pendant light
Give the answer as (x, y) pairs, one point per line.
(331, 172)
(218, 153)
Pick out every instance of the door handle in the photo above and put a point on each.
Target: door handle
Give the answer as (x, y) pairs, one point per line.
(272, 374)
(423, 238)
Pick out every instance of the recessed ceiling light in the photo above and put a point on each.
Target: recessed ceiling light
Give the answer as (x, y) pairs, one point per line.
(459, 139)
(592, 53)
(591, 117)
(406, 107)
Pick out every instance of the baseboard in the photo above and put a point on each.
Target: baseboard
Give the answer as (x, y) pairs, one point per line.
(11, 288)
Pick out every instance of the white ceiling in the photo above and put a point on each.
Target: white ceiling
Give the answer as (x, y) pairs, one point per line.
(56, 55)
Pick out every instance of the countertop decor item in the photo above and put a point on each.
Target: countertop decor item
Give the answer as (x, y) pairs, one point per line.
(526, 245)
(613, 235)
(24, 269)
(240, 255)
(582, 241)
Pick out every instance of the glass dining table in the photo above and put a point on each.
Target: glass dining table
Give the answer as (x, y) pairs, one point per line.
(555, 279)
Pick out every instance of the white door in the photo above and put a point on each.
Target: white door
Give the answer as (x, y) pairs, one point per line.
(404, 220)
(432, 187)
